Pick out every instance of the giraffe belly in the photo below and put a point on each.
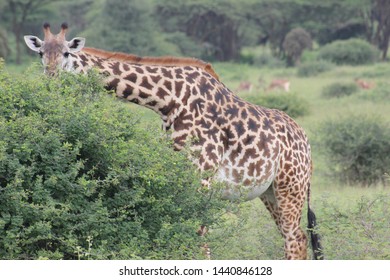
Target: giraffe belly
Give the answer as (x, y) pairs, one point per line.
(235, 189)
(245, 193)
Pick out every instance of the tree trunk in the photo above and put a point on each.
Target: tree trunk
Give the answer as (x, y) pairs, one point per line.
(17, 25)
(378, 25)
(385, 46)
(20, 11)
(219, 31)
(18, 39)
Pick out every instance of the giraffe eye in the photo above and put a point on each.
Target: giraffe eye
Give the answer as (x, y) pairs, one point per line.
(66, 54)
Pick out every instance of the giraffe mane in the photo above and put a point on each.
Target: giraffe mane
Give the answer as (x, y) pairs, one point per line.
(148, 60)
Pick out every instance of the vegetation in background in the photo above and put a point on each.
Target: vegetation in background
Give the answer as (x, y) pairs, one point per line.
(313, 68)
(359, 232)
(212, 30)
(129, 26)
(291, 104)
(350, 52)
(353, 226)
(380, 93)
(377, 25)
(357, 148)
(295, 42)
(4, 47)
(339, 89)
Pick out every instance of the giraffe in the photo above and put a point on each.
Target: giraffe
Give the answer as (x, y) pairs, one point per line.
(254, 151)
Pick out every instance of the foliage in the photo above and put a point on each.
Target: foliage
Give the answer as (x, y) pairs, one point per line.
(351, 52)
(295, 42)
(330, 20)
(353, 225)
(359, 232)
(18, 13)
(377, 25)
(261, 57)
(340, 89)
(380, 93)
(80, 179)
(4, 47)
(218, 28)
(128, 26)
(291, 104)
(268, 60)
(313, 68)
(275, 19)
(249, 235)
(212, 30)
(186, 46)
(357, 148)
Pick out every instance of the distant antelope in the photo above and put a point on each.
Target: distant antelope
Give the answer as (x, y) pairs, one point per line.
(364, 84)
(279, 84)
(244, 86)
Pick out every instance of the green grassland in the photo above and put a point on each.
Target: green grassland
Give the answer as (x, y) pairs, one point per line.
(354, 221)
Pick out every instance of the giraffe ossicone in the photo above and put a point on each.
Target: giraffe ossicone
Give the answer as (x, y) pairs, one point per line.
(255, 151)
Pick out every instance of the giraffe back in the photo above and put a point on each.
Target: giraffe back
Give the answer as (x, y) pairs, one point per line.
(147, 60)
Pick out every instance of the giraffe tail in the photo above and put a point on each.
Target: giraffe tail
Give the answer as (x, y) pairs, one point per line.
(315, 238)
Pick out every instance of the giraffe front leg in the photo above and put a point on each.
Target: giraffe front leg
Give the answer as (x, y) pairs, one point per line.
(202, 231)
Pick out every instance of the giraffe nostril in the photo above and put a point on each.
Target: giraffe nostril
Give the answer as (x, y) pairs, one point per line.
(50, 72)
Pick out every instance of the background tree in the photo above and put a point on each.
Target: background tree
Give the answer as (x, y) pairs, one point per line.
(296, 41)
(376, 14)
(75, 13)
(274, 19)
(330, 20)
(212, 30)
(4, 48)
(217, 27)
(127, 26)
(17, 13)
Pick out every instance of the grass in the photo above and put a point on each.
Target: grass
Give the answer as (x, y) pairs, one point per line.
(353, 221)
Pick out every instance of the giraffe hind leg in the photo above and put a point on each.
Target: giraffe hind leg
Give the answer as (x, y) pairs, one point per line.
(286, 211)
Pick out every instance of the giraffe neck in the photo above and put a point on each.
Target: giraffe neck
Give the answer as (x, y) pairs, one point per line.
(173, 92)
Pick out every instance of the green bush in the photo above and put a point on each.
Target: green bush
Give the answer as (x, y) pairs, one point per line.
(313, 68)
(380, 93)
(260, 57)
(339, 89)
(267, 60)
(350, 52)
(289, 103)
(357, 149)
(81, 179)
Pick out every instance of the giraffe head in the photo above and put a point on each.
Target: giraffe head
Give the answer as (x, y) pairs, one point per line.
(55, 51)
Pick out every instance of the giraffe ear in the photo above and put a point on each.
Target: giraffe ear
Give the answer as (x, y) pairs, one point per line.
(33, 42)
(76, 44)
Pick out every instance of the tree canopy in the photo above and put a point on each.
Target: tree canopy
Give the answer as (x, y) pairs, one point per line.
(212, 30)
